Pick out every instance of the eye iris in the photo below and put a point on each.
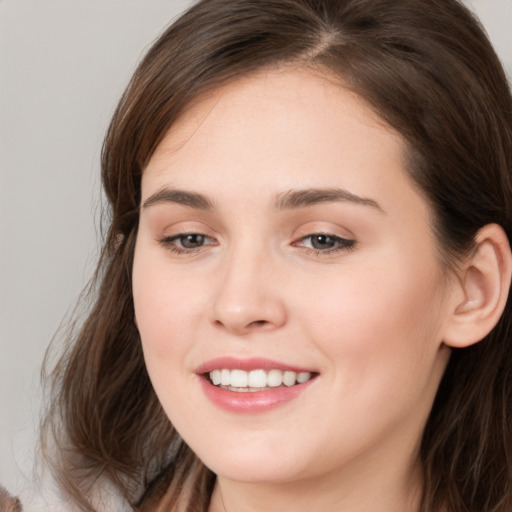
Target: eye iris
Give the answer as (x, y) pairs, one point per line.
(192, 241)
(322, 242)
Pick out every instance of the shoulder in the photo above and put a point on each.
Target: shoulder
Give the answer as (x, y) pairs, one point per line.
(8, 503)
(43, 494)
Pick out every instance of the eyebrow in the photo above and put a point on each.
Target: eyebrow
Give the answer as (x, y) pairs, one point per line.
(301, 198)
(289, 200)
(182, 197)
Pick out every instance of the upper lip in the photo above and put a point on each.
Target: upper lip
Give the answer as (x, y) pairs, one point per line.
(248, 364)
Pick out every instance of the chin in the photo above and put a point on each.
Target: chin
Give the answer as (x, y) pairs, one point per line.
(257, 465)
(255, 473)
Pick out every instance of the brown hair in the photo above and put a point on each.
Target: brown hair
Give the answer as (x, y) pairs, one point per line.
(428, 70)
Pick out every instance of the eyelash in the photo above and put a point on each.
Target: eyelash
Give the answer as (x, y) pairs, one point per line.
(341, 244)
(170, 243)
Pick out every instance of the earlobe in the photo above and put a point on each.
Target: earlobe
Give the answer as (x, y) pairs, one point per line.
(485, 282)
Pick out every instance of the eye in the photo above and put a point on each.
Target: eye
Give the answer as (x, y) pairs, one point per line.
(187, 242)
(191, 240)
(322, 243)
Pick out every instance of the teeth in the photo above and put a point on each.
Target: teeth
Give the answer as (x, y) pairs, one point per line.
(239, 379)
(225, 377)
(289, 378)
(215, 376)
(275, 378)
(303, 377)
(257, 379)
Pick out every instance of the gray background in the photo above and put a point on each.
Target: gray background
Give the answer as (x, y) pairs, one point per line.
(63, 65)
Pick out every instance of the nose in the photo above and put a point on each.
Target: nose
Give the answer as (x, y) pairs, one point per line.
(249, 295)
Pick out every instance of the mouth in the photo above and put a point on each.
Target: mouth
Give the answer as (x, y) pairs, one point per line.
(253, 385)
(257, 380)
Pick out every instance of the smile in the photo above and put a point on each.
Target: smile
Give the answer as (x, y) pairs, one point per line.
(253, 385)
(256, 380)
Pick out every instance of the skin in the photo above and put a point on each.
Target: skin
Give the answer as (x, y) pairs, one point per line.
(368, 315)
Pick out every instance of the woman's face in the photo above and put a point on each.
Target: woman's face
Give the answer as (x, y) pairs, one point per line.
(281, 239)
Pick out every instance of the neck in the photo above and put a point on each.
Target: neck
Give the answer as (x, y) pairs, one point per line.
(385, 489)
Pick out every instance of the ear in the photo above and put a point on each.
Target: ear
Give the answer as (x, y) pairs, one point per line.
(483, 286)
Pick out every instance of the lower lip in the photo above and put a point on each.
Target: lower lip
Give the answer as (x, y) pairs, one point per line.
(252, 401)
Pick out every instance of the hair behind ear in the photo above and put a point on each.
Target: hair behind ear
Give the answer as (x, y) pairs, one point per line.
(467, 444)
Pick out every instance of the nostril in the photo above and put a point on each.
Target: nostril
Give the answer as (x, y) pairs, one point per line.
(258, 323)
(242, 327)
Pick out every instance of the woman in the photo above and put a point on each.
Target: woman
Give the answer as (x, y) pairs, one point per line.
(303, 298)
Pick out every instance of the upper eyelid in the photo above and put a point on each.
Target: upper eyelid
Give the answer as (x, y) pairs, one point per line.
(173, 244)
(335, 237)
(187, 233)
(304, 231)
(324, 227)
(181, 228)
(307, 234)
(325, 232)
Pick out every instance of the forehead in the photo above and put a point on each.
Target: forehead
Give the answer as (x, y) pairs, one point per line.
(292, 102)
(279, 130)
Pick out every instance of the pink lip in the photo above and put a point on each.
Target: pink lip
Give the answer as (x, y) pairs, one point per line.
(249, 402)
(254, 363)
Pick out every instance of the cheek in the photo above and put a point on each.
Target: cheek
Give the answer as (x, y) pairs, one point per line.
(379, 322)
(380, 340)
(164, 308)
